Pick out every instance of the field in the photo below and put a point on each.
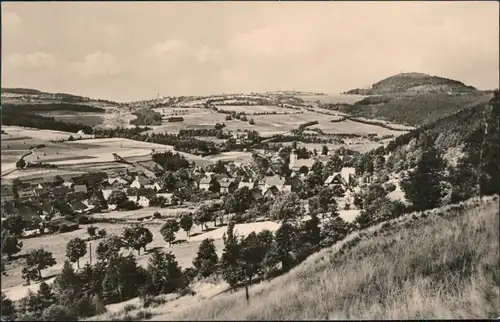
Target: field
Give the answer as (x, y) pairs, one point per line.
(266, 125)
(75, 117)
(405, 269)
(79, 155)
(361, 147)
(194, 118)
(233, 156)
(250, 109)
(333, 99)
(353, 127)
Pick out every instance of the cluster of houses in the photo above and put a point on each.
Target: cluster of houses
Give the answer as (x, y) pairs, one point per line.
(141, 188)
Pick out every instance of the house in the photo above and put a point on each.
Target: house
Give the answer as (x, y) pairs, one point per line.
(272, 192)
(7, 193)
(335, 179)
(118, 180)
(228, 185)
(140, 182)
(76, 196)
(257, 194)
(140, 196)
(90, 179)
(42, 192)
(156, 186)
(296, 164)
(248, 184)
(68, 184)
(205, 182)
(80, 188)
(26, 193)
(277, 181)
(132, 194)
(144, 196)
(78, 206)
(60, 191)
(349, 175)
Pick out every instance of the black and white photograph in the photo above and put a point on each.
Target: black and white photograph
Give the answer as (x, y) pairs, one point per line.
(250, 160)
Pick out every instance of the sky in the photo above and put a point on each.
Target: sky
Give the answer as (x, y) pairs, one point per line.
(136, 50)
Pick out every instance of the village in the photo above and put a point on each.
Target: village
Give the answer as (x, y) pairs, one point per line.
(63, 200)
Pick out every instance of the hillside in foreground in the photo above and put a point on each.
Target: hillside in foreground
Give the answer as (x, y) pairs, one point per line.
(439, 264)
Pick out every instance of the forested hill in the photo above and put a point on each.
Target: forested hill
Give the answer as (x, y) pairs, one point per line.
(414, 83)
(34, 96)
(414, 99)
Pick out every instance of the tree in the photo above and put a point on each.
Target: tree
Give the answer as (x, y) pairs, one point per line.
(251, 122)
(109, 248)
(186, 223)
(287, 207)
(117, 197)
(40, 259)
(102, 233)
(324, 150)
(137, 237)
(334, 229)
(238, 202)
(164, 274)
(8, 308)
(214, 186)
(378, 163)
(168, 230)
(334, 164)
(284, 246)
(91, 230)
(206, 259)
(76, 249)
(203, 215)
(10, 244)
(21, 163)
(326, 200)
(66, 286)
(311, 231)
(123, 279)
(15, 224)
(230, 262)
(423, 188)
(219, 167)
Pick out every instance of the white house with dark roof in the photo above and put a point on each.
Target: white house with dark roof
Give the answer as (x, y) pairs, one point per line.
(140, 182)
(276, 180)
(205, 182)
(349, 175)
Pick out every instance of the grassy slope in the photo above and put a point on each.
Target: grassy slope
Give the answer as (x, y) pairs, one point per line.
(439, 264)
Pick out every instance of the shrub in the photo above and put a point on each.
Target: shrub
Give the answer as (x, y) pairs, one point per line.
(390, 187)
(83, 220)
(63, 228)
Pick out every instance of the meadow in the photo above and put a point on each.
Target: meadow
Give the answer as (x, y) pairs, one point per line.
(184, 250)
